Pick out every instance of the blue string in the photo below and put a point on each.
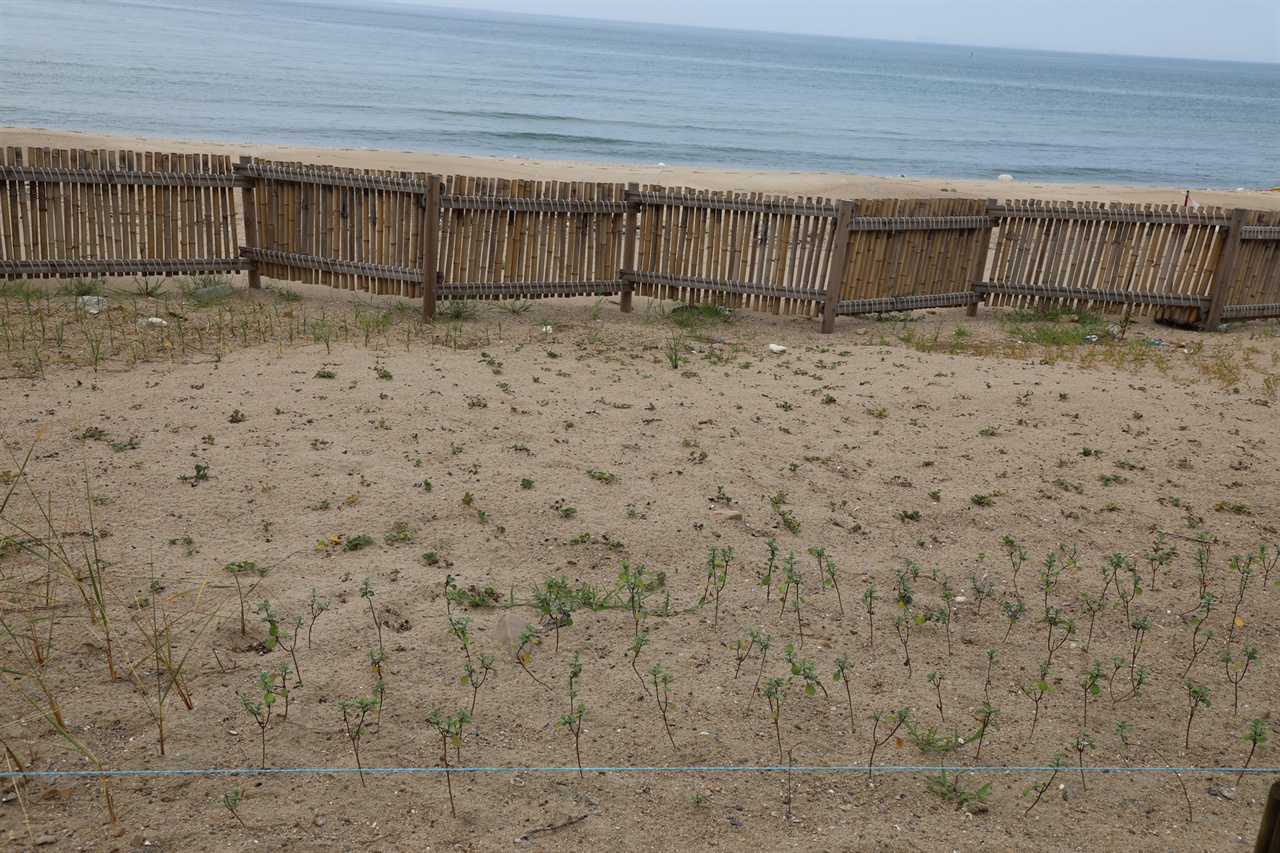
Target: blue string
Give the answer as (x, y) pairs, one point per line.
(862, 768)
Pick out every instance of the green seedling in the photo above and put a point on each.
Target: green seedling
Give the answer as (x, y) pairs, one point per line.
(1036, 691)
(936, 679)
(766, 578)
(1090, 685)
(772, 690)
(1159, 556)
(1058, 629)
(201, 475)
(637, 646)
(718, 560)
(992, 663)
(261, 710)
(250, 569)
(524, 652)
(869, 599)
(238, 417)
(762, 641)
(662, 694)
(354, 714)
(807, 670)
(953, 789)
(842, 675)
(1200, 637)
(982, 590)
(367, 593)
(1256, 734)
(893, 722)
(1197, 697)
(1059, 762)
(450, 730)
(1081, 744)
(573, 719)
(1017, 556)
(231, 802)
(827, 570)
(1237, 670)
(316, 605)
(1013, 611)
(458, 626)
(475, 678)
(377, 657)
(987, 721)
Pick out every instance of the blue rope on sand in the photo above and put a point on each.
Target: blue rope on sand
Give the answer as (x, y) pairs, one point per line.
(888, 768)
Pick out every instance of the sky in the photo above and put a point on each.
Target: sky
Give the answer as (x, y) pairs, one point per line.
(1247, 30)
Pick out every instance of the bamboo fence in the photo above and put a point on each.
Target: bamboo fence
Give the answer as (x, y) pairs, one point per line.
(98, 212)
(422, 236)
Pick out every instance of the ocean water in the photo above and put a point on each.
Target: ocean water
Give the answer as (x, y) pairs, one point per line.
(401, 75)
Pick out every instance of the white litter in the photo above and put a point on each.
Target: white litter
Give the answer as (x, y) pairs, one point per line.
(151, 321)
(1005, 178)
(777, 348)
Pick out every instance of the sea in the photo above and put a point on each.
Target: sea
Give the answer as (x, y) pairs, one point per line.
(408, 76)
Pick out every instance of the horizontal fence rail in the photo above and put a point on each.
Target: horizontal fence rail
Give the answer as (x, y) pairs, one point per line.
(422, 236)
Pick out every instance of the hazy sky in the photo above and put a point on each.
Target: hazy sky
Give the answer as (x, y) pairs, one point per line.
(1187, 29)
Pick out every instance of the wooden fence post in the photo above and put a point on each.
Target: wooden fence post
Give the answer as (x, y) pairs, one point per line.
(629, 245)
(430, 246)
(1225, 272)
(987, 234)
(249, 203)
(835, 273)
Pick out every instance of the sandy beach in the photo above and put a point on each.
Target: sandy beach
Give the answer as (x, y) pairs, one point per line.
(792, 184)
(936, 525)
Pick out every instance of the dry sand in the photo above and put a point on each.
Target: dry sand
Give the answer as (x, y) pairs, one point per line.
(881, 436)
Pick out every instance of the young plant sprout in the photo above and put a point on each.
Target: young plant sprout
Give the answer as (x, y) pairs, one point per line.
(1256, 734)
(1090, 685)
(1197, 697)
(261, 710)
(992, 663)
(986, 717)
(805, 668)
(573, 719)
(662, 693)
(718, 560)
(1236, 671)
(458, 627)
(842, 674)
(1017, 556)
(763, 641)
(244, 590)
(1208, 604)
(353, 717)
(366, 592)
(902, 627)
(827, 571)
(1013, 611)
(766, 579)
(231, 802)
(450, 730)
(475, 678)
(641, 640)
(1054, 620)
(1082, 743)
(1059, 762)
(524, 652)
(982, 590)
(316, 606)
(773, 695)
(1036, 691)
(869, 599)
(893, 723)
(936, 679)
